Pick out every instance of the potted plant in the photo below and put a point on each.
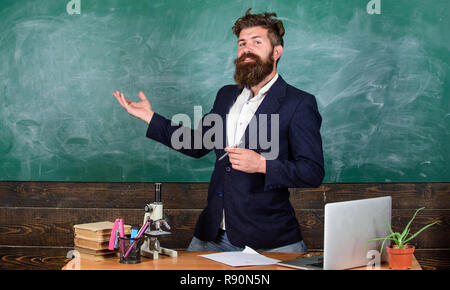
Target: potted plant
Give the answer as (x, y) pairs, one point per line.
(400, 254)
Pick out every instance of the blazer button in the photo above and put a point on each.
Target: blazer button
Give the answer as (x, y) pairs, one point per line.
(220, 194)
(228, 169)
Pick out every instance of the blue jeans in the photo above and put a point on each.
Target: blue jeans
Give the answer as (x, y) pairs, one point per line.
(222, 244)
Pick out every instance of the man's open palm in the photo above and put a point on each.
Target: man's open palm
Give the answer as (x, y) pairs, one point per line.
(142, 110)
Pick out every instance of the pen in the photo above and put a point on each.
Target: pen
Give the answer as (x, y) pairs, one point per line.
(134, 233)
(141, 232)
(112, 239)
(122, 235)
(226, 153)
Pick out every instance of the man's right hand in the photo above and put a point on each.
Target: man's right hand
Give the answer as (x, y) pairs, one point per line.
(142, 110)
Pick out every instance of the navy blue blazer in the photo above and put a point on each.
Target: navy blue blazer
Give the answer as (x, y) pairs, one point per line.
(257, 208)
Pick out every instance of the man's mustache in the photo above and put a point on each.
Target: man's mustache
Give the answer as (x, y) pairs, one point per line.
(247, 55)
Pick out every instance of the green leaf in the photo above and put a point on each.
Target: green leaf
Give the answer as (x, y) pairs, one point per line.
(379, 239)
(421, 230)
(407, 233)
(407, 226)
(397, 238)
(382, 245)
(403, 236)
(389, 226)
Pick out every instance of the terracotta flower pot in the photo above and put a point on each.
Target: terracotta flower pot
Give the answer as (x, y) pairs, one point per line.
(400, 259)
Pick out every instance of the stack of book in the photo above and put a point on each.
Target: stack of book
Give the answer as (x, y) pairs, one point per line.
(92, 240)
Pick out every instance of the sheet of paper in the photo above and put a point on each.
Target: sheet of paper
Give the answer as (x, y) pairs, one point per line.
(248, 257)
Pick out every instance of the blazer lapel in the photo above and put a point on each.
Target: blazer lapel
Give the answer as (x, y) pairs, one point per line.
(271, 102)
(270, 105)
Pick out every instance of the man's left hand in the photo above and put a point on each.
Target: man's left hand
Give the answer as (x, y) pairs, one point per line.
(246, 160)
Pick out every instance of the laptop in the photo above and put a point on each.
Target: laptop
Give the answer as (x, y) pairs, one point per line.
(348, 226)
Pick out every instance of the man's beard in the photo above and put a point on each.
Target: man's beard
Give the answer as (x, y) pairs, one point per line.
(249, 74)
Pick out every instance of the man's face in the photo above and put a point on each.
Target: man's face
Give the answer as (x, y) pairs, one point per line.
(255, 58)
(254, 40)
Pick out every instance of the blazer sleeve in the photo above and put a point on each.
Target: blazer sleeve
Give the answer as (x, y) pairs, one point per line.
(305, 167)
(161, 129)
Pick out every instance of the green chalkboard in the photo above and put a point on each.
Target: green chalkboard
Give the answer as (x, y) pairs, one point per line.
(381, 80)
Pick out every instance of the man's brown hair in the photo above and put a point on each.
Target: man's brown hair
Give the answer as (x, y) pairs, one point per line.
(275, 27)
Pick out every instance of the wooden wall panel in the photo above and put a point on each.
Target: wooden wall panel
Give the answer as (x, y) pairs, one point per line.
(33, 258)
(100, 195)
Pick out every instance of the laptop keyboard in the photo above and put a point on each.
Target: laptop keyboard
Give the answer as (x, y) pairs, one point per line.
(319, 263)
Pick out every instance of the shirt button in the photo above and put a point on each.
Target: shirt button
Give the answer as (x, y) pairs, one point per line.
(228, 169)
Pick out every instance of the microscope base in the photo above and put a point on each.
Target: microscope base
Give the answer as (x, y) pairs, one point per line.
(155, 254)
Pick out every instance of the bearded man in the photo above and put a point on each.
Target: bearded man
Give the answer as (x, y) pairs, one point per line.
(248, 197)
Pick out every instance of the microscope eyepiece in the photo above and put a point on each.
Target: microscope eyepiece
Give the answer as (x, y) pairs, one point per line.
(157, 192)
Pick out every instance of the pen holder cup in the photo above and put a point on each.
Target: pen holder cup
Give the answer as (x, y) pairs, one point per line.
(130, 255)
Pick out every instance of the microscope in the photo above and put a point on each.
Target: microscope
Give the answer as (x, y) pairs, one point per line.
(151, 247)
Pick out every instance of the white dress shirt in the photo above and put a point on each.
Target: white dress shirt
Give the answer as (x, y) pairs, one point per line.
(240, 116)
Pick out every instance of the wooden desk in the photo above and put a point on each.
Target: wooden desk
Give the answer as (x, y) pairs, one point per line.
(191, 261)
